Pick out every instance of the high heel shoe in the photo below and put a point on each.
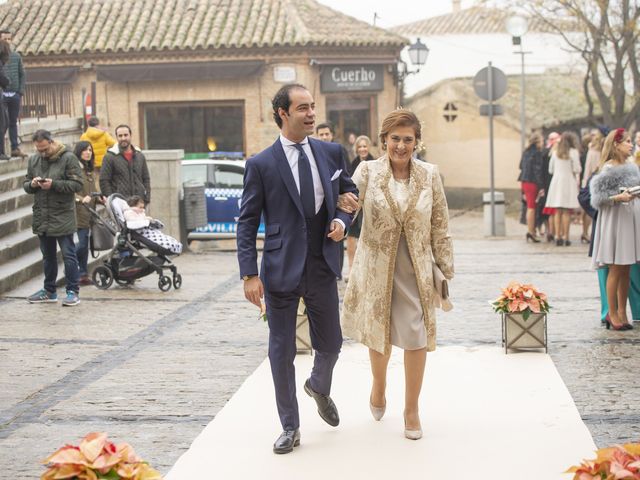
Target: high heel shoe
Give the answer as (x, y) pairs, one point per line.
(550, 238)
(559, 242)
(412, 434)
(618, 328)
(584, 239)
(532, 238)
(377, 412)
(567, 243)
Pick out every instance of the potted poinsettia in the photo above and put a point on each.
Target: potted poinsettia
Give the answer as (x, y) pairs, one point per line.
(621, 462)
(97, 458)
(523, 309)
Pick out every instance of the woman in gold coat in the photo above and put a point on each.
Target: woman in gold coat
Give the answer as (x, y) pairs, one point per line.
(390, 295)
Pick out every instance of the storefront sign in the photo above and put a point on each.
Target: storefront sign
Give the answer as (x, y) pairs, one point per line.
(352, 78)
(284, 74)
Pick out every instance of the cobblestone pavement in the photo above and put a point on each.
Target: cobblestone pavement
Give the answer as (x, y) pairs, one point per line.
(154, 368)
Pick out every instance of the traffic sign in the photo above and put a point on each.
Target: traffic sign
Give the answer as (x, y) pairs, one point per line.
(497, 109)
(498, 83)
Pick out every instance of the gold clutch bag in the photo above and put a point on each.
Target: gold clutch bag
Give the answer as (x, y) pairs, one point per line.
(441, 285)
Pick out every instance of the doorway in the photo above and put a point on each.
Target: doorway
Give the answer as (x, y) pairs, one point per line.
(350, 114)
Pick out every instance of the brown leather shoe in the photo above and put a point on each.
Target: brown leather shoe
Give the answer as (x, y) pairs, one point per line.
(17, 153)
(85, 281)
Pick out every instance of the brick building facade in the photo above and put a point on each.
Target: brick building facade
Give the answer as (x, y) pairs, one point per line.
(200, 74)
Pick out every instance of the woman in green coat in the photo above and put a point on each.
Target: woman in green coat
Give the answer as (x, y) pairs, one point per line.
(84, 151)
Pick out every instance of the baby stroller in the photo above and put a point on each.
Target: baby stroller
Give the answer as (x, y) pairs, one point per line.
(125, 262)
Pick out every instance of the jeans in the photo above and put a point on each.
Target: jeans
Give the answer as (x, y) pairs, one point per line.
(13, 108)
(48, 248)
(82, 251)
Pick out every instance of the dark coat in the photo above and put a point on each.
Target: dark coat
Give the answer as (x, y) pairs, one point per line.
(270, 190)
(356, 161)
(54, 210)
(531, 167)
(83, 215)
(119, 176)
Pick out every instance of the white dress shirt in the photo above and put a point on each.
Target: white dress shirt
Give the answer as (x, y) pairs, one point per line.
(292, 155)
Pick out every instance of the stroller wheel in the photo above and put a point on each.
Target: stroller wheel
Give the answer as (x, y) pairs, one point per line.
(102, 277)
(177, 281)
(164, 283)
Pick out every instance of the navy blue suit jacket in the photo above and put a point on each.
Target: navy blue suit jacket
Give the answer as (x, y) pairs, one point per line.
(269, 189)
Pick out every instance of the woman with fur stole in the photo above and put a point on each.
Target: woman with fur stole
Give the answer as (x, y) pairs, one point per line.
(617, 233)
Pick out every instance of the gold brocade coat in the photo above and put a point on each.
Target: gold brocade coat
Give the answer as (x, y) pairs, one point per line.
(366, 314)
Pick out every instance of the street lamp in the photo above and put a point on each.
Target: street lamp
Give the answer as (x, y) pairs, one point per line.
(518, 26)
(418, 53)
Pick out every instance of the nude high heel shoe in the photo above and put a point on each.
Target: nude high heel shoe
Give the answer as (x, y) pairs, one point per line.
(377, 412)
(412, 434)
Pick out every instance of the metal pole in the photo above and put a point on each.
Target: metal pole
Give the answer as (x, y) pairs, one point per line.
(493, 200)
(522, 96)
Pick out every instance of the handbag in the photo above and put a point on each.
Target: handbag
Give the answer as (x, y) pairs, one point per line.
(101, 238)
(441, 285)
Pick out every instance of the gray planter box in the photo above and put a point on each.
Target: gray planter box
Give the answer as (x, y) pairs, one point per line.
(521, 334)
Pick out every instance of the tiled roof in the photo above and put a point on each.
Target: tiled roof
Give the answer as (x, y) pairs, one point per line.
(472, 20)
(101, 26)
(550, 98)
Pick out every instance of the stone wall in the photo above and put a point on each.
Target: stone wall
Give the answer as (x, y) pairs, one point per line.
(119, 103)
(64, 129)
(164, 169)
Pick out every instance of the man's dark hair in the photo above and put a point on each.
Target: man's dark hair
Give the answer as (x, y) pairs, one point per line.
(134, 200)
(94, 122)
(42, 134)
(122, 125)
(328, 125)
(282, 100)
(6, 31)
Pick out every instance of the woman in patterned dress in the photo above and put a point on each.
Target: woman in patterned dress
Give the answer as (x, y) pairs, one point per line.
(390, 296)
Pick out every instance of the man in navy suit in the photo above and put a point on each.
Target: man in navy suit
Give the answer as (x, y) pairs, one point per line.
(295, 184)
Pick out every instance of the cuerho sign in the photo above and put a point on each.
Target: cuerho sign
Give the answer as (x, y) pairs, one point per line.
(351, 78)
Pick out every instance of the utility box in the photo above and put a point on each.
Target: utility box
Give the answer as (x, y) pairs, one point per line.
(195, 205)
(498, 198)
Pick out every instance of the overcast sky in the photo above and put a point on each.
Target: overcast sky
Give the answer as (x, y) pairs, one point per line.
(393, 12)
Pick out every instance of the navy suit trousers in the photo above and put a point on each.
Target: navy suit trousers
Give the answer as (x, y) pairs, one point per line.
(319, 290)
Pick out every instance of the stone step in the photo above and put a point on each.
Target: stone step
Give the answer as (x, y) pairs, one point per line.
(15, 221)
(11, 181)
(29, 266)
(16, 164)
(21, 269)
(14, 199)
(17, 244)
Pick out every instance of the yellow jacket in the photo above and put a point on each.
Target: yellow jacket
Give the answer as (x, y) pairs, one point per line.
(100, 141)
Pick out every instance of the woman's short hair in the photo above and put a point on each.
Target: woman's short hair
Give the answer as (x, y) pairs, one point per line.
(361, 138)
(399, 118)
(80, 147)
(535, 138)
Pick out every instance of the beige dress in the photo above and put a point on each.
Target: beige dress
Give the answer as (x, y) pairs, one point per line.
(407, 319)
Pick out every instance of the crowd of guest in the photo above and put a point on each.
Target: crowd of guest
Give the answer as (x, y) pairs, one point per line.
(592, 181)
